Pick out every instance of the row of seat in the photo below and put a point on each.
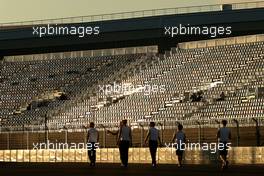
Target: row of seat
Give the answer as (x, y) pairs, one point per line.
(161, 87)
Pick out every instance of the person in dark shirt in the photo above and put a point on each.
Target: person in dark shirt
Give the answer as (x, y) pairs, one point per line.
(224, 136)
(92, 138)
(154, 139)
(222, 97)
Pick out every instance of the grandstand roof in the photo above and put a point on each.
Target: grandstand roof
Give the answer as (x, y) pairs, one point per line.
(137, 14)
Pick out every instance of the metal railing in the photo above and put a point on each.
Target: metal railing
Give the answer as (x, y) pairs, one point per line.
(136, 14)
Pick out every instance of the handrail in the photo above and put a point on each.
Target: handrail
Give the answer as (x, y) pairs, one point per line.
(136, 14)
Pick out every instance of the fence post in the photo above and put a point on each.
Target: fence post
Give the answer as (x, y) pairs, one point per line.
(257, 132)
(199, 131)
(238, 135)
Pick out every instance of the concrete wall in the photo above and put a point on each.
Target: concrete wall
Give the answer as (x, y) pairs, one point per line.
(237, 155)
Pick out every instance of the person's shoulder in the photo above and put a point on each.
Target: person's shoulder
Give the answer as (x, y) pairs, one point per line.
(154, 129)
(92, 129)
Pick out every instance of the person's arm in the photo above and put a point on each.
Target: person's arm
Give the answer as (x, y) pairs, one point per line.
(229, 135)
(113, 133)
(184, 138)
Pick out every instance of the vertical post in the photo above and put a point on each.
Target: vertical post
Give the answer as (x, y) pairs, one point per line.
(85, 135)
(0, 126)
(237, 128)
(199, 131)
(257, 132)
(104, 136)
(27, 140)
(66, 135)
(23, 132)
(161, 127)
(46, 129)
(164, 128)
(8, 137)
(141, 134)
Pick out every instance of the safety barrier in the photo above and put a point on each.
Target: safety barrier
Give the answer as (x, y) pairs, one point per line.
(236, 155)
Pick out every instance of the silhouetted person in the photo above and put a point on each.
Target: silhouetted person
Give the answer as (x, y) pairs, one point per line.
(199, 95)
(125, 139)
(154, 139)
(92, 138)
(222, 97)
(63, 97)
(179, 138)
(223, 136)
(193, 97)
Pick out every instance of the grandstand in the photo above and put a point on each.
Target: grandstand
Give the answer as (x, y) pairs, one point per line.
(182, 71)
(51, 97)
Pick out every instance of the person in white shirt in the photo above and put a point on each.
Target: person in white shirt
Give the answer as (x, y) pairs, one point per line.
(92, 139)
(154, 138)
(223, 136)
(179, 138)
(124, 141)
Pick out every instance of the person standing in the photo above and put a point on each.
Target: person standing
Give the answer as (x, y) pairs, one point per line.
(223, 136)
(154, 139)
(124, 141)
(92, 138)
(180, 139)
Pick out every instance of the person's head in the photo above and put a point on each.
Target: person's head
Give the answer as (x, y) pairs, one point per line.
(91, 125)
(224, 122)
(152, 124)
(124, 122)
(180, 127)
